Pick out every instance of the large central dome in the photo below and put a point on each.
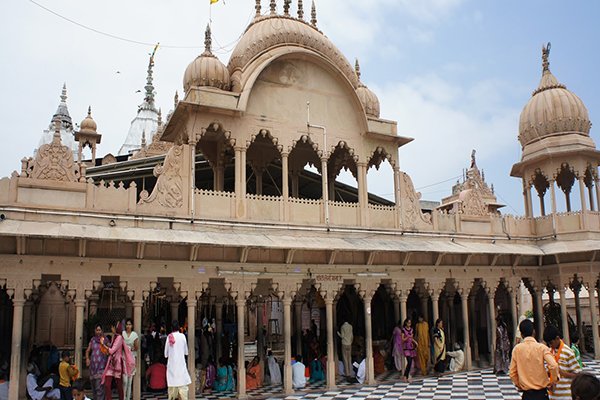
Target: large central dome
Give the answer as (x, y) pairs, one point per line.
(272, 31)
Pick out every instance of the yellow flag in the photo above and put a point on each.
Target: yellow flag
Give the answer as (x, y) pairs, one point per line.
(213, 1)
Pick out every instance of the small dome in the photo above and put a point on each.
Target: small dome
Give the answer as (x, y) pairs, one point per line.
(206, 70)
(368, 99)
(552, 109)
(88, 125)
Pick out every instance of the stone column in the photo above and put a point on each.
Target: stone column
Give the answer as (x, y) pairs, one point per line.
(325, 188)
(597, 186)
(240, 181)
(594, 319)
(330, 340)
(175, 310)
(513, 293)
(403, 299)
(464, 294)
(492, 328)
(138, 302)
(582, 194)
(576, 291)
(553, 196)
(298, 327)
(336, 356)
(79, 307)
(370, 370)
(539, 323)
(219, 327)
(17, 332)
(191, 316)
(396, 310)
(562, 291)
(435, 298)
(287, 344)
(363, 196)
(285, 184)
(473, 330)
(241, 379)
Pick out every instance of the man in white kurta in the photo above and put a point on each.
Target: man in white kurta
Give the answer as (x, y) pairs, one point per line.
(178, 377)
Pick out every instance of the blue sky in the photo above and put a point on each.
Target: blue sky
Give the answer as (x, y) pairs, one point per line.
(455, 74)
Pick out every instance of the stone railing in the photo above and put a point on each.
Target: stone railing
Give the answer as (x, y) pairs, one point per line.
(211, 204)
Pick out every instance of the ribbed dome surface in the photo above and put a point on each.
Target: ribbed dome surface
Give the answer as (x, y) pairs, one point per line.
(369, 101)
(276, 30)
(206, 69)
(88, 125)
(552, 109)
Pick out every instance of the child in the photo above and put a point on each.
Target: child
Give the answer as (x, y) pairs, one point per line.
(78, 390)
(575, 348)
(67, 373)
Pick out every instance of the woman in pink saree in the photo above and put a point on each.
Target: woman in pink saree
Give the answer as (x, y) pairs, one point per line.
(120, 361)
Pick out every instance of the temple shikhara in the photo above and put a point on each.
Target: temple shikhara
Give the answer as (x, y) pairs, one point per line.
(227, 207)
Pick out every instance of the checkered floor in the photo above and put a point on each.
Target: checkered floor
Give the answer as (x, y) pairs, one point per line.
(474, 385)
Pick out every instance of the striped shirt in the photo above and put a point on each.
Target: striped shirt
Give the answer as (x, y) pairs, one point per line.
(566, 363)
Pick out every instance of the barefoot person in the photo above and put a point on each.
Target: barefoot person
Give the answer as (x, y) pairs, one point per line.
(178, 378)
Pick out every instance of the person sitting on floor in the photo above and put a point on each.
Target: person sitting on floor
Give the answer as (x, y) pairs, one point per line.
(254, 376)
(458, 358)
(298, 377)
(39, 392)
(157, 376)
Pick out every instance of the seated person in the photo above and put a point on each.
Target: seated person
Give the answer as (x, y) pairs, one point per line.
(254, 375)
(298, 370)
(224, 381)
(361, 372)
(39, 392)
(156, 375)
(316, 370)
(458, 358)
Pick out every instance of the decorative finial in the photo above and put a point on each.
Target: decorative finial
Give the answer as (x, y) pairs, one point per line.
(63, 96)
(545, 55)
(357, 69)
(313, 14)
(176, 99)
(286, 7)
(300, 10)
(89, 111)
(144, 139)
(257, 7)
(273, 6)
(473, 163)
(207, 41)
(149, 96)
(160, 117)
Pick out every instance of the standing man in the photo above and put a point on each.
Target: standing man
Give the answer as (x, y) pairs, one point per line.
(347, 338)
(527, 370)
(568, 366)
(178, 377)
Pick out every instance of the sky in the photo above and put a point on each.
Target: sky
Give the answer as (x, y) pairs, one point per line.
(455, 74)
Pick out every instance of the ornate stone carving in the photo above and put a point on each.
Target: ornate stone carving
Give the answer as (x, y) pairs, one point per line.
(54, 162)
(412, 217)
(168, 191)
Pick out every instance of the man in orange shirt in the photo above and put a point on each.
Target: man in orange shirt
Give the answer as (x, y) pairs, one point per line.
(527, 369)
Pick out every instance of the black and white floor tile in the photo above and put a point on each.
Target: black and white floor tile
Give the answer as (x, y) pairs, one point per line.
(474, 385)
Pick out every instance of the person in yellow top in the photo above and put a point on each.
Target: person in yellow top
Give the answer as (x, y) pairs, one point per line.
(67, 373)
(423, 344)
(533, 368)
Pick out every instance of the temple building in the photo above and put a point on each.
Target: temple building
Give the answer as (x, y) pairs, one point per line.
(231, 209)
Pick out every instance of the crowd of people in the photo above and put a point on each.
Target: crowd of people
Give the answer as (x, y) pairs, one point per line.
(550, 370)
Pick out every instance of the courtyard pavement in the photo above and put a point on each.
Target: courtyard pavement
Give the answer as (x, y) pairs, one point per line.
(476, 385)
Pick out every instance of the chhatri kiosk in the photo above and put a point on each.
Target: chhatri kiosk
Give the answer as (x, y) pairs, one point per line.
(232, 212)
